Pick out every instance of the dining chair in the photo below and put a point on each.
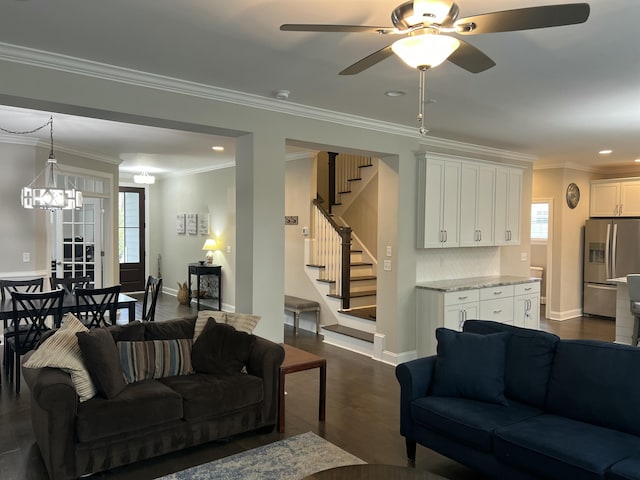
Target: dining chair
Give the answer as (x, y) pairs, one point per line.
(31, 310)
(8, 286)
(96, 307)
(70, 283)
(29, 285)
(151, 291)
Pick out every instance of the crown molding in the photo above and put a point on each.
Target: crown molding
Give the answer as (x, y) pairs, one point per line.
(65, 63)
(19, 140)
(566, 165)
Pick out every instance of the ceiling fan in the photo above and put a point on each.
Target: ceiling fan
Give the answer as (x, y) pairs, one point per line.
(426, 24)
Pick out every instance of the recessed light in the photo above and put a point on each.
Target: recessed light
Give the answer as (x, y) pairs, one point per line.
(605, 152)
(217, 148)
(637, 160)
(395, 93)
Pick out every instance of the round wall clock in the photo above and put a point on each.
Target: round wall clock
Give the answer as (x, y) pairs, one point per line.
(573, 195)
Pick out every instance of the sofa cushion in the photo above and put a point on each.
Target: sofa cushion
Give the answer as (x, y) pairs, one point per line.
(627, 469)
(243, 322)
(102, 361)
(129, 332)
(529, 357)
(155, 358)
(138, 406)
(203, 318)
(554, 447)
(61, 350)
(470, 365)
(468, 421)
(178, 328)
(206, 396)
(220, 349)
(595, 382)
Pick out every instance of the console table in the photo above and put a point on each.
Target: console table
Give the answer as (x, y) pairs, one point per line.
(208, 280)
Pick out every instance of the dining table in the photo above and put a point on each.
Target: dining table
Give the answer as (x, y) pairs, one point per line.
(69, 305)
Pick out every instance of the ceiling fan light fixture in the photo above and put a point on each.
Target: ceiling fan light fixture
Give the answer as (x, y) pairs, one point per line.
(425, 51)
(433, 11)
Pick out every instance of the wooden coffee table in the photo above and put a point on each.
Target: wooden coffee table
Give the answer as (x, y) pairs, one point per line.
(296, 360)
(373, 472)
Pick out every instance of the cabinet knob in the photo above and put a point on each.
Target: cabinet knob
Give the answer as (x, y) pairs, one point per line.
(499, 292)
(497, 311)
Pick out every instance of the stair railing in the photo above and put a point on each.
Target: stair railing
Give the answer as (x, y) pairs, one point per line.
(333, 252)
(343, 168)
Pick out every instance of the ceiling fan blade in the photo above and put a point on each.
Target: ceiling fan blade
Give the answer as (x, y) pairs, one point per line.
(369, 61)
(524, 19)
(470, 58)
(305, 27)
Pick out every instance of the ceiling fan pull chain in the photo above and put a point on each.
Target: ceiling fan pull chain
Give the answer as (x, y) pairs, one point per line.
(421, 93)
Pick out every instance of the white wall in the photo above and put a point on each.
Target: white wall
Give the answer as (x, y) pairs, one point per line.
(211, 193)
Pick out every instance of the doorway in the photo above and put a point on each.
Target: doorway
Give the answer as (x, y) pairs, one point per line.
(131, 238)
(542, 247)
(77, 241)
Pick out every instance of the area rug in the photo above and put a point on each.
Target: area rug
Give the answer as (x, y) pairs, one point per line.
(290, 459)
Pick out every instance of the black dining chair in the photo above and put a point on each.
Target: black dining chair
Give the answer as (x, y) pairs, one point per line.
(70, 283)
(31, 311)
(97, 307)
(151, 291)
(8, 286)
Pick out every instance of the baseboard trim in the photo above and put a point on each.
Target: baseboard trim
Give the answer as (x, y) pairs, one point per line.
(395, 359)
(566, 315)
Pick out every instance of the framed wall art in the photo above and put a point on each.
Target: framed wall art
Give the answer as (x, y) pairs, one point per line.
(192, 223)
(180, 223)
(203, 223)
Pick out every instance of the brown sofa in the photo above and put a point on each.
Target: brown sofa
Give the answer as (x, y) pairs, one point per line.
(154, 416)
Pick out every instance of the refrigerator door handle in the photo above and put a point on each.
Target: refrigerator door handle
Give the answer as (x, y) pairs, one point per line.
(614, 245)
(607, 251)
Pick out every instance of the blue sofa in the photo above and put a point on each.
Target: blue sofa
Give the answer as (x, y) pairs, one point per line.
(516, 403)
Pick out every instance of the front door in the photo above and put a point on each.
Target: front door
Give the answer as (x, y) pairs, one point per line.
(131, 228)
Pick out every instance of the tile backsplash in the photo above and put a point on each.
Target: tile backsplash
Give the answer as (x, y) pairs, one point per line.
(447, 263)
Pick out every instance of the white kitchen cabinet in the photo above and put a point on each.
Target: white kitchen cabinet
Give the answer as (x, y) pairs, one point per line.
(508, 202)
(477, 182)
(615, 198)
(441, 304)
(439, 202)
(526, 305)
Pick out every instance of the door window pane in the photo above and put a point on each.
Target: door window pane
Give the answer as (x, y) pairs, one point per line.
(129, 227)
(539, 221)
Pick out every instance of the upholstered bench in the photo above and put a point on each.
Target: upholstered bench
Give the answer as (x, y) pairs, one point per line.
(297, 306)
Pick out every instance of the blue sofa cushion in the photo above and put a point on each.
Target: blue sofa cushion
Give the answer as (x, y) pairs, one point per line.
(628, 469)
(596, 382)
(529, 358)
(470, 366)
(468, 421)
(560, 448)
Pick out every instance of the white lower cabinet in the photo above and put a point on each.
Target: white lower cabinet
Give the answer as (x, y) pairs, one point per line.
(517, 304)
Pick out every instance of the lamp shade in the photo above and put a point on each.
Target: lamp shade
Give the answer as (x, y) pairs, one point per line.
(210, 245)
(425, 50)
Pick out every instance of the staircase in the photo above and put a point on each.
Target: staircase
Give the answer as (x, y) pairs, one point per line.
(343, 269)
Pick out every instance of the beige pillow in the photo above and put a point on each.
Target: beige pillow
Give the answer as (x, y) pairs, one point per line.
(61, 350)
(201, 321)
(242, 322)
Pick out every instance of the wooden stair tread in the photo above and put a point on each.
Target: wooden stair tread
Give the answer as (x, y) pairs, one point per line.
(361, 264)
(366, 293)
(350, 332)
(366, 313)
(363, 277)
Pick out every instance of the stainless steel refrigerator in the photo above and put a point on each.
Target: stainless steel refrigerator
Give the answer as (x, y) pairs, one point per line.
(611, 250)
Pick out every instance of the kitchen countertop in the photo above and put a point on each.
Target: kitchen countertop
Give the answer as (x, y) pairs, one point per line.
(457, 284)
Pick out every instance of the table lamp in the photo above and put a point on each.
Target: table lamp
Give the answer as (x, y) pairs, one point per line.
(209, 246)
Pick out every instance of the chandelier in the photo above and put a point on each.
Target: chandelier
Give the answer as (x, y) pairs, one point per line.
(43, 191)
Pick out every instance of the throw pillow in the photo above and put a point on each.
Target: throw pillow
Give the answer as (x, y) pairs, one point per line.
(243, 322)
(101, 359)
(221, 349)
(61, 350)
(470, 365)
(155, 358)
(203, 318)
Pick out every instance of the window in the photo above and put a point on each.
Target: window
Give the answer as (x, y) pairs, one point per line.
(129, 227)
(540, 221)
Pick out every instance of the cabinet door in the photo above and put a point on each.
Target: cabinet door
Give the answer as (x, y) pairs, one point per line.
(430, 192)
(451, 204)
(629, 199)
(485, 205)
(468, 205)
(508, 202)
(453, 317)
(527, 311)
(605, 198)
(514, 206)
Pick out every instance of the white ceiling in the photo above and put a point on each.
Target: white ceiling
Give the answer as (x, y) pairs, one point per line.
(561, 94)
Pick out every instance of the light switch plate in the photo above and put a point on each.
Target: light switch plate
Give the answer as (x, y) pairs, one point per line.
(388, 250)
(26, 257)
(387, 265)
(523, 256)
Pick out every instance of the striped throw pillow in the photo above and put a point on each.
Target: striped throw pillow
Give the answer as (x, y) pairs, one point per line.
(242, 322)
(203, 317)
(61, 350)
(155, 358)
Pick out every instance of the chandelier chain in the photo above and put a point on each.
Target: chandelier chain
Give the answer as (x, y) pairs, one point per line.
(27, 132)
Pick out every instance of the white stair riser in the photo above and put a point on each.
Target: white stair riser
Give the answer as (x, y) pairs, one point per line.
(348, 343)
(358, 323)
(369, 301)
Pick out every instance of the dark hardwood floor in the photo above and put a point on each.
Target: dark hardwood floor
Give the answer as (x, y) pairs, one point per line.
(362, 412)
